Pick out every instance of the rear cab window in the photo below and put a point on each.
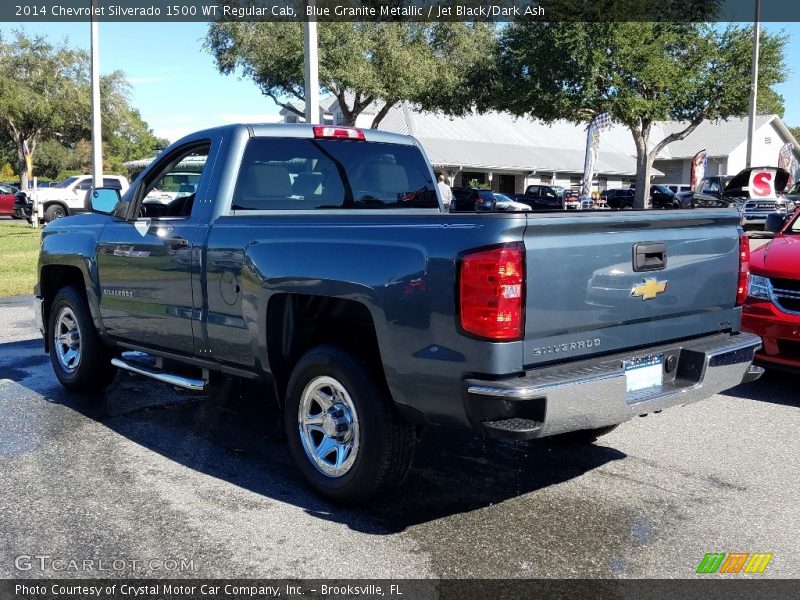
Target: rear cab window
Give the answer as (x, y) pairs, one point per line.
(320, 174)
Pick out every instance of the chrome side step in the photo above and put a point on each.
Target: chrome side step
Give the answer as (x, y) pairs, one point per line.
(197, 385)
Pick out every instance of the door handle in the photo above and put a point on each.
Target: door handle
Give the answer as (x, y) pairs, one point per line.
(649, 256)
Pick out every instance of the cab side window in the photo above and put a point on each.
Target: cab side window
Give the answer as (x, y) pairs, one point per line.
(169, 190)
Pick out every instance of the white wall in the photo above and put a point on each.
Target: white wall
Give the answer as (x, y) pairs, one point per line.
(364, 120)
(614, 181)
(764, 155)
(674, 171)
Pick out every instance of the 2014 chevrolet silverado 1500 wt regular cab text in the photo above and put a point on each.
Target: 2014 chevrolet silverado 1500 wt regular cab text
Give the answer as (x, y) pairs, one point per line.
(321, 260)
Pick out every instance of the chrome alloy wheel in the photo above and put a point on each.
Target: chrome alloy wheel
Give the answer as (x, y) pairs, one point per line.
(67, 340)
(328, 425)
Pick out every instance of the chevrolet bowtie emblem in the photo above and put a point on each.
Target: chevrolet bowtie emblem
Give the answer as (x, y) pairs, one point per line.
(649, 289)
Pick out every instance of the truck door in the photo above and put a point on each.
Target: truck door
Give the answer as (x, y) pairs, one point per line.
(147, 263)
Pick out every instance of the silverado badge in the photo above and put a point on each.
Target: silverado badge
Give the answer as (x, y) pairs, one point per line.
(649, 289)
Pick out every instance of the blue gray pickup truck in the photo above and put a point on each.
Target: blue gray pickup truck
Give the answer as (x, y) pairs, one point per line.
(320, 260)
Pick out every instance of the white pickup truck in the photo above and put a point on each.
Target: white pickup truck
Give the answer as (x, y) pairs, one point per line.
(66, 198)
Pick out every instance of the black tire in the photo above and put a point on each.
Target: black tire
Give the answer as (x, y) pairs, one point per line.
(92, 370)
(384, 443)
(54, 211)
(583, 436)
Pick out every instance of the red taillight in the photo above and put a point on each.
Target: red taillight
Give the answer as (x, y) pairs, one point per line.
(744, 269)
(492, 293)
(341, 133)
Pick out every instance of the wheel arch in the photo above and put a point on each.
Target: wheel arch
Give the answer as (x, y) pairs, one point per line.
(298, 322)
(54, 277)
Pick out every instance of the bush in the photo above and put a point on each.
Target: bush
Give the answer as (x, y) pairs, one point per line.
(474, 183)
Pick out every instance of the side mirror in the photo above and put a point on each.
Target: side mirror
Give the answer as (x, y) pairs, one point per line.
(776, 221)
(105, 200)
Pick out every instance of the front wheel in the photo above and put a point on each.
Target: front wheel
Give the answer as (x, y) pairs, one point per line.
(54, 211)
(344, 434)
(80, 359)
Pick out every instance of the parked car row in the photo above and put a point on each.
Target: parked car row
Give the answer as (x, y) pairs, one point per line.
(536, 197)
(66, 198)
(756, 192)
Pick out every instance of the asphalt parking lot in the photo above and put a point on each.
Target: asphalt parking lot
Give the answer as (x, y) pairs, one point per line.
(146, 473)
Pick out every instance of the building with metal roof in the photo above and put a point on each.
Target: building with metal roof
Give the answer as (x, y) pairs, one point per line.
(510, 152)
(505, 152)
(725, 143)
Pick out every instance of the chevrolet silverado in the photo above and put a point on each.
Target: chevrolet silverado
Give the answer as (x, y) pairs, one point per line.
(320, 259)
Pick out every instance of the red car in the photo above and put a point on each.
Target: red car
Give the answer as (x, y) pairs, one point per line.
(6, 200)
(772, 308)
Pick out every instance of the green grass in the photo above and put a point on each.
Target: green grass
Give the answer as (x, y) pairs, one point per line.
(19, 250)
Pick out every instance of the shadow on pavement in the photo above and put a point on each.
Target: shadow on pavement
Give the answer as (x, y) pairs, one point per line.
(234, 432)
(775, 386)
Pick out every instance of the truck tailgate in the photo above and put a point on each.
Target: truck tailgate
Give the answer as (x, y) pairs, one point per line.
(585, 297)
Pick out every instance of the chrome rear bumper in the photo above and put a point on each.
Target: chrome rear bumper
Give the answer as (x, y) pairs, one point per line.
(594, 393)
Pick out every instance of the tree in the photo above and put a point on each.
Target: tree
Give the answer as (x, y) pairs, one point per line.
(359, 63)
(52, 157)
(126, 136)
(7, 172)
(45, 96)
(640, 72)
(796, 133)
(39, 91)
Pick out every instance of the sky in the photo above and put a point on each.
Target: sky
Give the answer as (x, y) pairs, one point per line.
(177, 88)
(175, 85)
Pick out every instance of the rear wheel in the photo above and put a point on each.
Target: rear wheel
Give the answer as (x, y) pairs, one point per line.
(80, 359)
(345, 436)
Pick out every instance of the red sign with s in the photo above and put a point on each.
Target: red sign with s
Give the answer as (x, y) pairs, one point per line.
(762, 184)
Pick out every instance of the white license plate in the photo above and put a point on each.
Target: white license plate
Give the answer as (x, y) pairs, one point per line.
(644, 372)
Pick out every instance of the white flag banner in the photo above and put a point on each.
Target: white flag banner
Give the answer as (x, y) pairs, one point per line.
(598, 124)
(787, 161)
(698, 171)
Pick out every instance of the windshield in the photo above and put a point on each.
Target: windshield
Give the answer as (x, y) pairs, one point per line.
(663, 189)
(67, 182)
